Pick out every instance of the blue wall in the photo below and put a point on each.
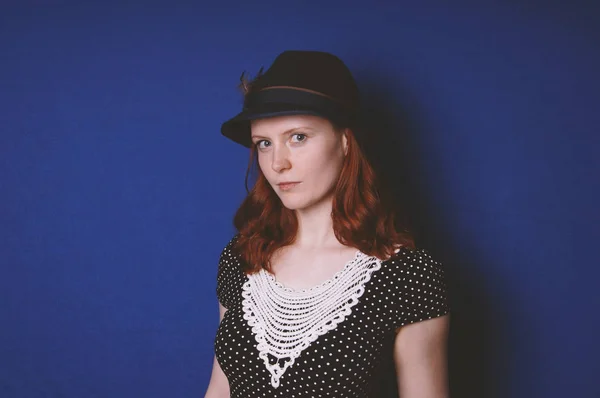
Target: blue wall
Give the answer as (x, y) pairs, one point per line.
(117, 190)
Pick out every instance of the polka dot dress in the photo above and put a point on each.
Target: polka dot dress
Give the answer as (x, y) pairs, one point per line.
(349, 357)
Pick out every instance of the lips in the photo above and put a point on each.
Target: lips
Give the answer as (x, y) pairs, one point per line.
(287, 184)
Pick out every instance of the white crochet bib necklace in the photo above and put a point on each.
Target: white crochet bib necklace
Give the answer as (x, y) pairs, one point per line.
(286, 321)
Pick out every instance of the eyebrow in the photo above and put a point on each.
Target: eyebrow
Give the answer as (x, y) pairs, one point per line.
(285, 132)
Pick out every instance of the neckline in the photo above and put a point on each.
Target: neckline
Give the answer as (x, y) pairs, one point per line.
(271, 277)
(271, 314)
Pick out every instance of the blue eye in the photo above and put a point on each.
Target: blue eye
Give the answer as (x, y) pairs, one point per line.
(258, 144)
(300, 135)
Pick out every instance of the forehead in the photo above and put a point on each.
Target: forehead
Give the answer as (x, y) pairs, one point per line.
(281, 124)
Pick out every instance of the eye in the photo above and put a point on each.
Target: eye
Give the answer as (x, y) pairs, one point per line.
(300, 137)
(261, 144)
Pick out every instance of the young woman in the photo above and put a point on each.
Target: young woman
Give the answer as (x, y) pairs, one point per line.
(321, 292)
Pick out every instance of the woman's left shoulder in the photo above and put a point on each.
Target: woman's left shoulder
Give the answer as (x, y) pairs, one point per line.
(417, 280)
(414, 256)
(418, 262)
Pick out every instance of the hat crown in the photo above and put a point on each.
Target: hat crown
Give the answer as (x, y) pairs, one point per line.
(316, 71)
(298, 82)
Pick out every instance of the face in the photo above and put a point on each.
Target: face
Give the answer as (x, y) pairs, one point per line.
(301, 157)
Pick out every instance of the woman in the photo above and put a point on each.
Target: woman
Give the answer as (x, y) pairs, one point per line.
(321, 294)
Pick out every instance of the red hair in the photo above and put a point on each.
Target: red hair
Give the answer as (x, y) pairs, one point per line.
(362, 212)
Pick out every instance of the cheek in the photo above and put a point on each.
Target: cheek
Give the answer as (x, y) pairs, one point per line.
(264, 166)
(325, 165)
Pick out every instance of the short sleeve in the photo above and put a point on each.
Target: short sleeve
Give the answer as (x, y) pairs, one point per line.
(229, 276)
(423, 292)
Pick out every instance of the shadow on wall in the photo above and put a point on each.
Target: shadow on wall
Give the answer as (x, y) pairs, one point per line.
(477, 347)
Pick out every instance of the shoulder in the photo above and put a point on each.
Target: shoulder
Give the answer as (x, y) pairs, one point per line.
(415, 261)
(228, 252)
(230, 276)
(229, 260)
(417, 279)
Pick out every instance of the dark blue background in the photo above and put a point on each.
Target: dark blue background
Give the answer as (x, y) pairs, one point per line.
(117, 190)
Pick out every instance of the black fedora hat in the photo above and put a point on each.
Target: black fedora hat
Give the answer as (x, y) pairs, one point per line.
(298, 83)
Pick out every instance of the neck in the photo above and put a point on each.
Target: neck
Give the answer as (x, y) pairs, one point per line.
(315, 226)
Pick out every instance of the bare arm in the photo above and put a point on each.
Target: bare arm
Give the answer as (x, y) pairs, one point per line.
(420, 356)
(218, 387)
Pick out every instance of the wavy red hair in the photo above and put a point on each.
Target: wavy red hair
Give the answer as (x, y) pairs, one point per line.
(362, 212)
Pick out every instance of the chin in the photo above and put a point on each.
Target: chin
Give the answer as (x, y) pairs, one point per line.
(295, 203)
(300, 201)
(300, 204)
(292, 205)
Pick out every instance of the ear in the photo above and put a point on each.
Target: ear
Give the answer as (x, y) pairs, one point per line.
(345, 141)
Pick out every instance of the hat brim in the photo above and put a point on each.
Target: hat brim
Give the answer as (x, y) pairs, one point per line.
(238, 127)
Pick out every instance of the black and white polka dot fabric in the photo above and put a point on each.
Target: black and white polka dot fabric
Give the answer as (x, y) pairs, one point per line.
(354, 359)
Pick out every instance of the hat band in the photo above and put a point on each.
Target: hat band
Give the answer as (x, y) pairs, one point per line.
(294, 97)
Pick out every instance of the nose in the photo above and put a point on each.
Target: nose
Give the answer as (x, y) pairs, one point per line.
(281, 158)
